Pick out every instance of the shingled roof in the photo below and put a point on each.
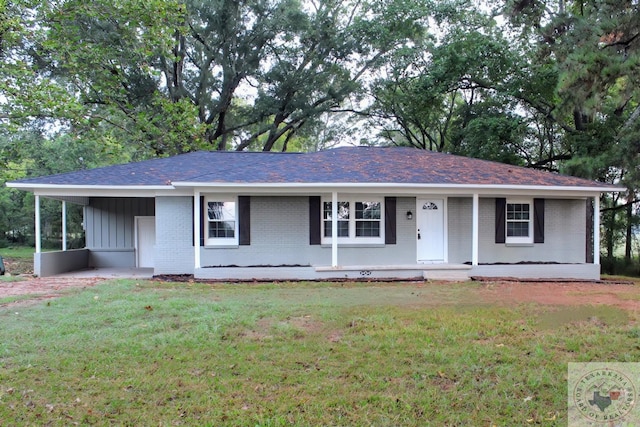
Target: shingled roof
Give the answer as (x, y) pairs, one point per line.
(348, 165)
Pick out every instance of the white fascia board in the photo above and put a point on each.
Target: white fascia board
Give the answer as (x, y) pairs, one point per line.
(397, 188)
(187, 188)
(95, 190)
(29, 186)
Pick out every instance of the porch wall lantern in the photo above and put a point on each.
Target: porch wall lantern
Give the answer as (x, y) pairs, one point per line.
(409, 215)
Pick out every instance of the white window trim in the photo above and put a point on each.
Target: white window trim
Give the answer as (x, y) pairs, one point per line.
(219, 241)
(519, 240)
(352, 240)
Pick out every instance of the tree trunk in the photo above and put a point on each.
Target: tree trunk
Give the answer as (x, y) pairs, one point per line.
(627, 246)
(611, 223)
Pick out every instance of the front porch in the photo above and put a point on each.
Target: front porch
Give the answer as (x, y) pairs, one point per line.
(444, 272)
(448, 272)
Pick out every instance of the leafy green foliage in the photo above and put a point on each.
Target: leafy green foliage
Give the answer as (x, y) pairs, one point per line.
(550, 84)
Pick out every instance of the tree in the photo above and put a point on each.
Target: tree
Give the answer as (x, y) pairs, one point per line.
(431, 94)
(173, 77)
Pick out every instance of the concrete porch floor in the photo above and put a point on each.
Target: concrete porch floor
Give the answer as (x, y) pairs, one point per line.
(110, 273)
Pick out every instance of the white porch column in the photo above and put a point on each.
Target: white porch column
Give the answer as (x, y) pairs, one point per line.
(334, 229)
(197, 211)
(38, 237)
(474, 229)
(64, 225)
(596, 230)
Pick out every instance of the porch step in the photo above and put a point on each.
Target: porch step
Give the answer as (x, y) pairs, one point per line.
(450, 272)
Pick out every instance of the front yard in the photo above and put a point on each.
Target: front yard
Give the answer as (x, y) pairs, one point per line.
(151, 353)
(17, 260)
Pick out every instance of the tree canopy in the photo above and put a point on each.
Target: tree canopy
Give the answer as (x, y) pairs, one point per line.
(550, 84)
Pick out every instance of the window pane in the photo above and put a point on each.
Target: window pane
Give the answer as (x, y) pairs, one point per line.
(518, 229)
(221, 211)
(518, 211)
(222, 229)
(368, 229)
(367, 210)
(343, 210)
(343, 228)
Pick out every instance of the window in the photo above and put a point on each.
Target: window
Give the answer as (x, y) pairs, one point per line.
(222, 227)
(518, 222)
(358, 221)
(343, 219)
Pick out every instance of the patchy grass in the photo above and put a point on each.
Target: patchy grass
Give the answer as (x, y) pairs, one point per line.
(15, 298)
(131, 353)
(9, 278)
(18, 259)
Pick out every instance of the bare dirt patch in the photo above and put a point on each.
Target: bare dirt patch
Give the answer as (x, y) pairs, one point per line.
(563, 293)
(625, 296)
(18, 265)
(43, 288)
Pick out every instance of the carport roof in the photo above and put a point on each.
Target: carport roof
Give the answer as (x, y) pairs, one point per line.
(345, 165)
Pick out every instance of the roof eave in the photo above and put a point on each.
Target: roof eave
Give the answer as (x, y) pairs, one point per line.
(299, 187)
(315, 185)
(32, 186)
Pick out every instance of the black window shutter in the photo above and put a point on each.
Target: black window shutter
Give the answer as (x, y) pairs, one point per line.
(538, 220)
(501, 207)
(314, 220)
(244, 220)
(390, 220)
(203, 209)
(193, 228)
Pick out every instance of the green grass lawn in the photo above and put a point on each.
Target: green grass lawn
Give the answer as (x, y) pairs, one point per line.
(148, 353)
(20, 252)
(17, 260)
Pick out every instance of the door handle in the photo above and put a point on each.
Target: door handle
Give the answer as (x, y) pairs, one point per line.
(419, 234)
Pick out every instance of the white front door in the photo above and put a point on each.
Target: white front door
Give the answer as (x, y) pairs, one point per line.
(145, 241)
(430, 223)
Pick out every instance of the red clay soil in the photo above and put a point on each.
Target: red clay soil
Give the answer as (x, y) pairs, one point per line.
(43, 288)
(626, 296)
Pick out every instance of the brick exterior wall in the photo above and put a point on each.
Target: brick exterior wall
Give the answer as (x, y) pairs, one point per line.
(280, 236)
(174, 236)
(565, 231)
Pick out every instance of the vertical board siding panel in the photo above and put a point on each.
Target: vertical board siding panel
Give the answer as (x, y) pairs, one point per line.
(113, 225)
(128, 223)
(104, 223)
(97, 214)
(119, 243)
(110, 221)
(89, 223)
